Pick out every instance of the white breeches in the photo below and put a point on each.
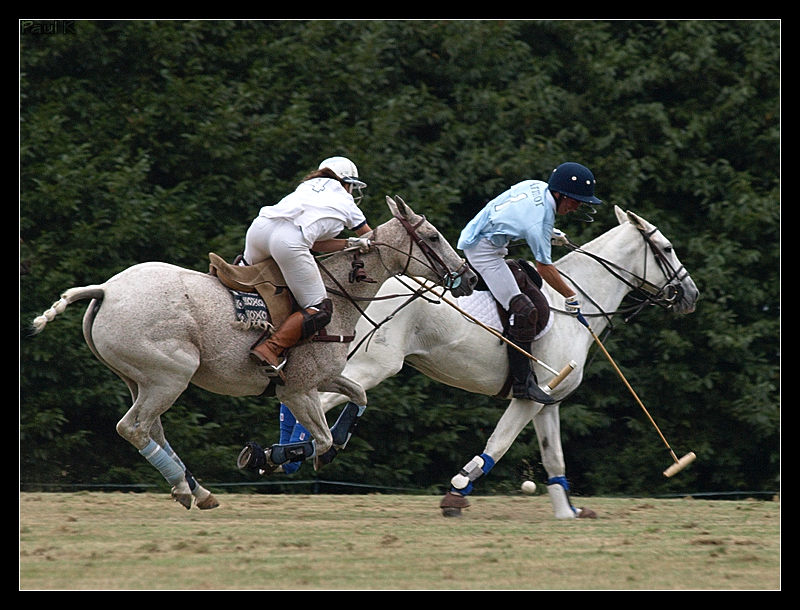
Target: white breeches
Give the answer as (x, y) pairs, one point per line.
(489, 260)
(285, 243)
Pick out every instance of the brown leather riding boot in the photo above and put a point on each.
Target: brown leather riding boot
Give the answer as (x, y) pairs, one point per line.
(270, 352)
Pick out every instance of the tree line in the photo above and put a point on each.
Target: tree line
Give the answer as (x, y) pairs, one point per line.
(160, 140)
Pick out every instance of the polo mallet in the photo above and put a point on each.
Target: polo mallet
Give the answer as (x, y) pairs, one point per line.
(679, 464)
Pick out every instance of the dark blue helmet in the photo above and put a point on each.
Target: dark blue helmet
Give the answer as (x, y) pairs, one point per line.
(575, 181)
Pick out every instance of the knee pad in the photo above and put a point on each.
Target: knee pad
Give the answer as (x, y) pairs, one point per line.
(316, 318)
(522, 318)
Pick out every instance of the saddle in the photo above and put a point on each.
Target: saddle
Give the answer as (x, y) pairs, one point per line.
(264, 278)
(530, 283)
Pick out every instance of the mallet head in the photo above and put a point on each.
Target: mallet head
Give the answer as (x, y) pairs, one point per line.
(680, 464)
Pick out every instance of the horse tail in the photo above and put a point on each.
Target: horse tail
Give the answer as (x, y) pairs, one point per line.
(69, 297)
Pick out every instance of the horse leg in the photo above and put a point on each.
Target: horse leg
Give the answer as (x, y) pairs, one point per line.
(348, 387)
(136, 425)
(307, 409)
(548, 430)
(516, 416)
(204, 499)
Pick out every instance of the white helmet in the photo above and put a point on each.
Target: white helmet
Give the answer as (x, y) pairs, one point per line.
(345, 169)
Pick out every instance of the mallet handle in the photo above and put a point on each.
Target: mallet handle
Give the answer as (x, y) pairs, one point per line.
(562, 375)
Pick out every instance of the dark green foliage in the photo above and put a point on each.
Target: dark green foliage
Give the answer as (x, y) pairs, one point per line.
(160, 140)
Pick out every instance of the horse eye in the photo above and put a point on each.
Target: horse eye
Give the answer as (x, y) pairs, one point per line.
(434, 237)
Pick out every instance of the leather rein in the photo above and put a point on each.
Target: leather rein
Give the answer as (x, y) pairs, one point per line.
(450, 279)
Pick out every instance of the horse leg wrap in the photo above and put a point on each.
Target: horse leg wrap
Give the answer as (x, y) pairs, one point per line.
(346, 424)
(164, 463)
(474, 469)
(557, 488)
(290, 452)
(190, 480)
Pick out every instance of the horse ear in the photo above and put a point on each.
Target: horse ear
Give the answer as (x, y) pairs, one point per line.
(639, 222)
(621, 216)
(399, 207)
(392, 205)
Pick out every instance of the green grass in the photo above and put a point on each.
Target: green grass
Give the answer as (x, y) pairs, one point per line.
(139, 541)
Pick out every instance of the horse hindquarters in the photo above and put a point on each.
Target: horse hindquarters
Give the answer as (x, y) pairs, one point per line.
(145, 333)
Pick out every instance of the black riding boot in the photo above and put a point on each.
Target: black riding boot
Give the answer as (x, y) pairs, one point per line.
(524, 382)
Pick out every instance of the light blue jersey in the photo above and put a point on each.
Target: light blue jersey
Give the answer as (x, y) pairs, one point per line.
(526, 211)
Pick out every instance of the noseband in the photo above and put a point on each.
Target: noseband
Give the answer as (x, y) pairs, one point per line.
(665, 296)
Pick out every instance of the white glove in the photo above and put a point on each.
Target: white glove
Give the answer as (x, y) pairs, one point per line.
(572, 305)
(362, 243)
(559, 238)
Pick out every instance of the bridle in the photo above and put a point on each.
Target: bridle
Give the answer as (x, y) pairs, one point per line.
(449, 279)
(642, 290)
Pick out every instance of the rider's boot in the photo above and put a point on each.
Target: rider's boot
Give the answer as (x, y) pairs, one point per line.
(270, 351)
(524, 383)
(523, 317)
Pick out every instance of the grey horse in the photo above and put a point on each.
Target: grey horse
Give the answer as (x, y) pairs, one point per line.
(161, 327)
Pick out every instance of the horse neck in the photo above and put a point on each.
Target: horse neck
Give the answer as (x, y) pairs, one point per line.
(599, 290)
(340, 266)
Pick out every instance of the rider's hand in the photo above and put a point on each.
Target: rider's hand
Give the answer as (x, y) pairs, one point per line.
(559, 238)
(572, 305)
(362, 243)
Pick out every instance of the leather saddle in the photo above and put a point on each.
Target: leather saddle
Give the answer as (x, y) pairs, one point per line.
(530, 283)
(264, 278)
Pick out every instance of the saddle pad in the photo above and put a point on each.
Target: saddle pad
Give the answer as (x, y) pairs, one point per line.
(482, 306)
(250, 310)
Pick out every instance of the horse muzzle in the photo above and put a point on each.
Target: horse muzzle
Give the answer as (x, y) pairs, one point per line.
(460, 283)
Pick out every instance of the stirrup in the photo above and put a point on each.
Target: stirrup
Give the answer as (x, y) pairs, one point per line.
(261, 361)
(531, 391)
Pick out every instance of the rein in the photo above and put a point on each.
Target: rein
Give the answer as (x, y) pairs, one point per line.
(646, 291)
(450, 279)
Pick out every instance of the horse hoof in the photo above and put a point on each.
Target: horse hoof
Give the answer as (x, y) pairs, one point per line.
(208, 502)
(184, 500)
(452, 504)
(586, 513)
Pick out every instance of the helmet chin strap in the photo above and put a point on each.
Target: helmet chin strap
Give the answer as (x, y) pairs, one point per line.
(584, 213)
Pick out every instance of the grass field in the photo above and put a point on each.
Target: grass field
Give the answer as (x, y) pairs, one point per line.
(145, 541)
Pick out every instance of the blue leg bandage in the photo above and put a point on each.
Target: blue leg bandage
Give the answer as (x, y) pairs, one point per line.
(291, 432)
(287, 421)
(164, 463)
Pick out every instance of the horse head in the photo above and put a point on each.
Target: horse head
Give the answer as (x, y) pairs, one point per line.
(663, 278)
(428, 251)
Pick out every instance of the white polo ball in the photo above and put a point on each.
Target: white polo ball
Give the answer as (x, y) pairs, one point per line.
(528, 487)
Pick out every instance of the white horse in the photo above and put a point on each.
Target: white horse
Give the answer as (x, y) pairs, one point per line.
(440, 342)
(161, 327)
